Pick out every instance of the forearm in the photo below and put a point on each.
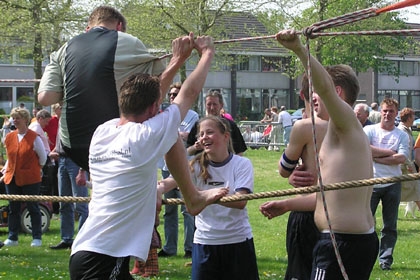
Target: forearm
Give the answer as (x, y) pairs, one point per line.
(168, 75)
(380, 152)
(391, 160)
(198, 77)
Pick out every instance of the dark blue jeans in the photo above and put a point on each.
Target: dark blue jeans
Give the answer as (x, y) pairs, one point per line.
(15, 210)
(390, 197)
(67, 172)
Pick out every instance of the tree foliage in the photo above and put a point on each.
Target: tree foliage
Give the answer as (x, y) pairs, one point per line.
(33, 28)
(361, 52)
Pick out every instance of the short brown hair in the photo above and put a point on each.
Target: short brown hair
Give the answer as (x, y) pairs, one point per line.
(344, 77)
(405, 113)
(107, 14)
(139, 92)
(390, 102)
(215, 92)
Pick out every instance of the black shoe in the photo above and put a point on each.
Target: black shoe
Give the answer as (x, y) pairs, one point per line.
(62, 245)
(188, 255)
(163, 254)
(385, 266)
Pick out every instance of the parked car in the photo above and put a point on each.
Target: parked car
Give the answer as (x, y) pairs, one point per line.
(416, 125)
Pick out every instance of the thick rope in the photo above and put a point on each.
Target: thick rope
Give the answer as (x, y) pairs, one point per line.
(237, 197)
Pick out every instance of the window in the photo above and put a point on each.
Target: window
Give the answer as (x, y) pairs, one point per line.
(249, 63)
(270, 64)
(408, 68)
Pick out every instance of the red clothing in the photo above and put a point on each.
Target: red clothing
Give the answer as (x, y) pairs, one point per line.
(22, 160)
(51, 129)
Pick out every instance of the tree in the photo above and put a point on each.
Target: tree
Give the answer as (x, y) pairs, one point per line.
(33, 28)
(360, 52)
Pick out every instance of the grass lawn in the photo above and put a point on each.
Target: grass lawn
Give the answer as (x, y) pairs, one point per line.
(24, 262)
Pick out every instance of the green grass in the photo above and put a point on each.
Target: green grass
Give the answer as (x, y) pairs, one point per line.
(24, 262)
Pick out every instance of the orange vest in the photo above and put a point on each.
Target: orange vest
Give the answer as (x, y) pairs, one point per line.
(22, 160)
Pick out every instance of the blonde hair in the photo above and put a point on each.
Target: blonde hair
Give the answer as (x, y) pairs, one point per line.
(22, 113)
(203, 158)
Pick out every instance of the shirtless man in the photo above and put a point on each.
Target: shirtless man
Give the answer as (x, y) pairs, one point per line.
(302, 233)
(344, 156)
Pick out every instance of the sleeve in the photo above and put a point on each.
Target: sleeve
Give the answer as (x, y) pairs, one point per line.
(40, 150)
(192, 136)
(53, 77)
(244, 176)
(238, 142)
(367, 129)
(403, 147)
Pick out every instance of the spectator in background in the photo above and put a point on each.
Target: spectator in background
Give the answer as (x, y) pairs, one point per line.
(247, 134)
(214, 104)
(22, 175)
(374, 114)
(35, 110)
(268, 118)
(42, 119)
(256, 137)
(275, 130)
(390, 148)
(226, 115)
(362, 114)
(410, 190)
(52, 127)
(67, 186)
(286, 121)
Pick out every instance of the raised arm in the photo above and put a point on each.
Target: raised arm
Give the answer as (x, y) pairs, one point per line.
(181, 51)
(194, 83)
(341, 114)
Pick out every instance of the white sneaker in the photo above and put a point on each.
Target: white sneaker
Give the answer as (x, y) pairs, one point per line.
(36, 243)
(9, 242)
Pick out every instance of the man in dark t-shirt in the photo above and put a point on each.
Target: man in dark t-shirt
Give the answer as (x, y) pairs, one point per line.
(214, 104)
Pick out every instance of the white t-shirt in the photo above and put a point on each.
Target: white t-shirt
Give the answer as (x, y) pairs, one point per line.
(35, 126)
(285, 119)
(122, 162)
(396, 140)
(217, 224)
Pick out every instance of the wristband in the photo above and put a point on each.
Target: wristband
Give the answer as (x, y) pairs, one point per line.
(288, 164)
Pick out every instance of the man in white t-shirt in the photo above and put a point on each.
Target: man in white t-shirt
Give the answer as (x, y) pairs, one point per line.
(389, 149)
(286, 121)
(122, 159)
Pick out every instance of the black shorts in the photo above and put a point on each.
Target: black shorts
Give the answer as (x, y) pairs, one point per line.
(358, 253)
(94, 266)
(225, 262)
(301, 237)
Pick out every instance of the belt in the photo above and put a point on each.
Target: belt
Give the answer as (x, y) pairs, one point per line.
(62, 154)
(286, 126)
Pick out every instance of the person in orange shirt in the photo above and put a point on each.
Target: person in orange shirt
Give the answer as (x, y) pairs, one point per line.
(22, 174)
